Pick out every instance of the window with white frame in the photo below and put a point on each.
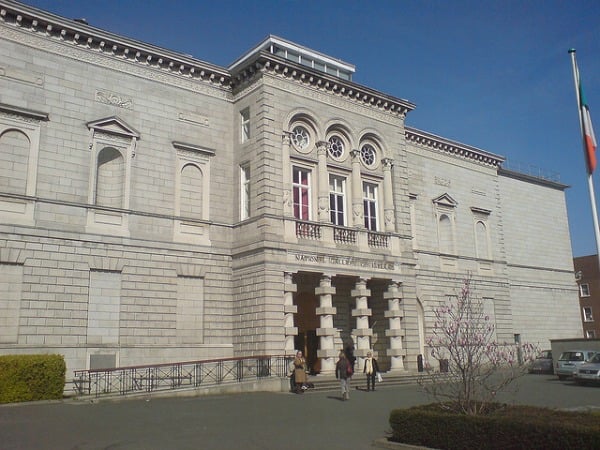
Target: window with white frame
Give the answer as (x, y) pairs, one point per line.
(245, 124)
(584, 290)
(301, 192)
(590, 334)
(244, 191)
(587, 314)
(337, 199)
(370, 205)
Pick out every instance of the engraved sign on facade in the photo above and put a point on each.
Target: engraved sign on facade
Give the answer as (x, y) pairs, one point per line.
(345, 261)
(110, 98)
(22, 75)
(193, 118)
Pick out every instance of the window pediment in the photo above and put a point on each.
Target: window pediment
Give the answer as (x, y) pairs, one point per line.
(445, 200)
(480, 211)
(113, 125)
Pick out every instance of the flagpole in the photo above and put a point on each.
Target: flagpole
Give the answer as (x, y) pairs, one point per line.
(589, 172)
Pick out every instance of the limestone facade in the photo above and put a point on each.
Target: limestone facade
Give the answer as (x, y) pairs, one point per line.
(156, 208)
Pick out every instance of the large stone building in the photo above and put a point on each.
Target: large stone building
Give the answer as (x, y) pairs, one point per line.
(155, 207)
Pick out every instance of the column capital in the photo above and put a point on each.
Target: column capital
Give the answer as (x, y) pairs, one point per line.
(321, 147)
(355, 153)
(388, 163)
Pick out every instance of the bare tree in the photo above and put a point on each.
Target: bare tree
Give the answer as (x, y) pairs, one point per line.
(473, 366)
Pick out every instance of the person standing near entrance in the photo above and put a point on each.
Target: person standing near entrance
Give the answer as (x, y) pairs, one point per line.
(371, 368)
(299, 372)
(343, 372)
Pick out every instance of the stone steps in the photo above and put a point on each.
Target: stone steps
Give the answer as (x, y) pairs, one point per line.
(359, 381)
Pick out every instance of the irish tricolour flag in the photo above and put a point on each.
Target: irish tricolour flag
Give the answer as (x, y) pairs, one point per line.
(589, 139)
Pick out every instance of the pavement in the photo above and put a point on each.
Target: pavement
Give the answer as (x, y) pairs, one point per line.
(248, 421)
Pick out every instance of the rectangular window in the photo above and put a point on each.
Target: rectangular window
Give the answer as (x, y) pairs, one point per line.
(337, 200)
(584, 290)
(301, 193)
(370, 206)
(590, 334)
(587, 314)
(245, 124)
(244, 192)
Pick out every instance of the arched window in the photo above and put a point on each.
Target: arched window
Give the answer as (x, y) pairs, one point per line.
(14, 161)
(110, 178)
(481, 237)
(445, 234)
(191, 192)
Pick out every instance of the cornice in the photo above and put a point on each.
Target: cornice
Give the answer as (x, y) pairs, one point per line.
(89, 38)
(424, 139)
(265, 62)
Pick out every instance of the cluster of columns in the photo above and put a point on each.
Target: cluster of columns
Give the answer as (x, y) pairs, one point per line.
(361, 334)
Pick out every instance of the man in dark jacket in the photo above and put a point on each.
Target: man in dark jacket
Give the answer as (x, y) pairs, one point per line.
(343, 372)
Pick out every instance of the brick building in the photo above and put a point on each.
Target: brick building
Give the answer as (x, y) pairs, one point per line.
(587, 273)
(155, 207)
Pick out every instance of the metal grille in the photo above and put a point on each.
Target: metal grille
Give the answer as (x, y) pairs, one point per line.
(161, 377)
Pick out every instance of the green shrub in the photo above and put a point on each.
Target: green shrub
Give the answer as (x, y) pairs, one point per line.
(504, 427)
(31, 377)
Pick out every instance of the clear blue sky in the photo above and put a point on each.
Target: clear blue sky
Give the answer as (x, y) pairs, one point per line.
(492, 74)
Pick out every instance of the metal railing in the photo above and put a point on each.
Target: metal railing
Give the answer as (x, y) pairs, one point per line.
(191, 374)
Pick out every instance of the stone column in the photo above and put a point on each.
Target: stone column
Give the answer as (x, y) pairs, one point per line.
(388, 196)
(323, 194)
(357, 198)
(288, 201)
(326, 331)
(395, 332)
(289, 309)
(362, 333)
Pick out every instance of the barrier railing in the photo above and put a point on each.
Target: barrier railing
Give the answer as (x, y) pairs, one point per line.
(171, 376)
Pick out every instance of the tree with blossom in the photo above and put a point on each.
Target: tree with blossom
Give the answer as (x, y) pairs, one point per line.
(463, 341)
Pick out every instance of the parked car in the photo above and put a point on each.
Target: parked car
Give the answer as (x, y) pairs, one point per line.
(543, 363)
(589, 372)
(569, 361)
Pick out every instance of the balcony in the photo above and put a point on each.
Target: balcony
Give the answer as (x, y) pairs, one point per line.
(328, 233)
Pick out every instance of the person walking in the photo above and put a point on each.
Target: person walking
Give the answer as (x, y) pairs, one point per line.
(299, 372)
(343, 372)
(371, 369)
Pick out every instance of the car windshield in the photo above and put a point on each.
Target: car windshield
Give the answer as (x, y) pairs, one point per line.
(571, 356)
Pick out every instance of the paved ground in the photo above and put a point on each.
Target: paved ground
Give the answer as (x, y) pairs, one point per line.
(257, 421)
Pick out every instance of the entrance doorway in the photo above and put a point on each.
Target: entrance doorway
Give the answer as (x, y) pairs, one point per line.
(307, 323)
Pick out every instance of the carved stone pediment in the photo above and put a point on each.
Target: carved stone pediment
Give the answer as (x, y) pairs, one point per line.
(445, 200)
(113, 125)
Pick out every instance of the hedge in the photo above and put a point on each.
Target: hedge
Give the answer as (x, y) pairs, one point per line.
(31, 377)
(507, 427)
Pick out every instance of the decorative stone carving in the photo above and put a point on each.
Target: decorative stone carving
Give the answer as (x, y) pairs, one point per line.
(110, 98)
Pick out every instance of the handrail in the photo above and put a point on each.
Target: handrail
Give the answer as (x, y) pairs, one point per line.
(179, 375)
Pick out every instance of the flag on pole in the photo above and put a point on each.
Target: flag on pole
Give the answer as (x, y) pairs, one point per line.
(589, 139)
